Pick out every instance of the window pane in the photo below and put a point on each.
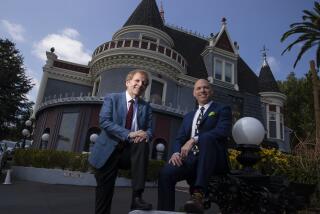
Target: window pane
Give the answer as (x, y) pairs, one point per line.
(67, 131)
(156, 92)
(218, 70)
(228, 72)
(272, 108)
(272, 129)
(272, 116)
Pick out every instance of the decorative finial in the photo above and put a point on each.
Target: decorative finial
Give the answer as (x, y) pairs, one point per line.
(264, 55)
(224, 21)
(52, 49)
(235, 43)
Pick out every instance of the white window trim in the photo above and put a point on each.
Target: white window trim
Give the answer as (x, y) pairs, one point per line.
(223, 70)
(148, 90)
(95, 90)
(278, 130)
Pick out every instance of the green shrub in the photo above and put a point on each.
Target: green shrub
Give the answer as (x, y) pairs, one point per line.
(71, 161)
(51, 159)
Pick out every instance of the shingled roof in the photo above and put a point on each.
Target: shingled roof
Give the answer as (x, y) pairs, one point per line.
(147, 13)
(190, 47)
(267, 82)
(247, 79)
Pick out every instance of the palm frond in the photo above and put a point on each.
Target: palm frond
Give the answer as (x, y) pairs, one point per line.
(308, 32)
(304, 24)
(300, 39)
(304, 48)
(310, 14)
(317, 7)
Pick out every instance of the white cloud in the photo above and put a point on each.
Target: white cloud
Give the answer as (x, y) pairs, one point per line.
(69, 32)
(14, 30)
(66, 45)
(274, 64)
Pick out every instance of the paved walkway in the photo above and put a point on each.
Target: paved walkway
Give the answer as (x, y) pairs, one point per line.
(39, 198)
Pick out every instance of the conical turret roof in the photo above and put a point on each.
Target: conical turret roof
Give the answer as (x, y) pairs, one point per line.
(147, 13)
(267, 82)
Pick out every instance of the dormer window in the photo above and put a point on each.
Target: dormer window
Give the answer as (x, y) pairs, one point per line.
(218, 69)
(224, 70)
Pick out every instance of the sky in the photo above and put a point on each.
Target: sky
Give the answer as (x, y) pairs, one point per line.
(76, 27)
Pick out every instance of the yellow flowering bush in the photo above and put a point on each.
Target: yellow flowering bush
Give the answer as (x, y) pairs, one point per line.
(299, 168)
(234, 164)
(271, 159)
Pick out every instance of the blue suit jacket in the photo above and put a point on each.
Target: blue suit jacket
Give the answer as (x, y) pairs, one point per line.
(112, 123)
(215, 126)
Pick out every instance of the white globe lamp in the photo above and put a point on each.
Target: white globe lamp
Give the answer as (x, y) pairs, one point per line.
(160, 147)
(45, 139)
(93, 137)
(248, 133)
(28, 123)
(248, 130)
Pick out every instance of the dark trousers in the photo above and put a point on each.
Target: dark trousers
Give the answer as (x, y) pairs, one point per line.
(134, 156)
(196, 170)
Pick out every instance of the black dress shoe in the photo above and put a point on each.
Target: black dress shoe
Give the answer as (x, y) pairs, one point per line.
(195, 204)
(139, 204)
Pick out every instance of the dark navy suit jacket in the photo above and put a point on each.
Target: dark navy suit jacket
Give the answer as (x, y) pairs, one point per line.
(215, 126)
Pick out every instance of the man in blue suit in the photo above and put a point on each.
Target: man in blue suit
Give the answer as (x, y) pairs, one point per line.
(199, 151)
(126, 130)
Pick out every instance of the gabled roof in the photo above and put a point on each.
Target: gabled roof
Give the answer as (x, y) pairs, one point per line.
(267, 82)
(190, 47)
(223, 42)
(247, 79)
(147, 13)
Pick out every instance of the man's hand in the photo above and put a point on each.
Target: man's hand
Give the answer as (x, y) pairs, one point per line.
(176, 159)
(138, 136)
(187, 147)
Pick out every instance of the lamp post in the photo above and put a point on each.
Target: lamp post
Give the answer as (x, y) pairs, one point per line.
(25, 133)
(248, 132)
(44, 139)
(160, 147)
(93, 138)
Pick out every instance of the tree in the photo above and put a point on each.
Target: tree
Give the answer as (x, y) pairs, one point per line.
(308, 31)
(298, 110)
(14, 85)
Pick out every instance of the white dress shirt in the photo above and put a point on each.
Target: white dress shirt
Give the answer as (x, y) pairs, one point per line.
(134, 125)
(194, 122)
